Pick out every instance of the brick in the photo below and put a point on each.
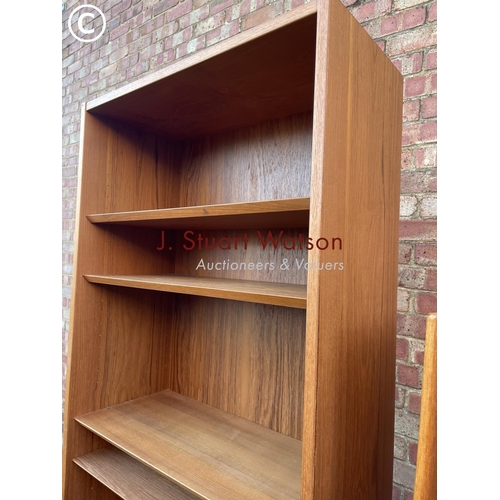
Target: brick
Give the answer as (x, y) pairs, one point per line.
(418, 181)
(405, 4)
(179, 10)
(419, 132)
(418, 38)
(408, 375)
(428, 206)
(429, 107)
(218, 5)
(152, 25)
(413, 18)
(426, 157)
(182, 36)
(407, 159)
(414, 402)
(163, 6)
(390, 25)
(407, 206)
(431, 59)
(425, 303)
(404, 255)
(424, 230)
(411, 277)
(199, 3)
(406, 424)
(402, 349)
(415, 86)
(399, 397)
(432, 16)
(412, 452)
(108, 70)
(396, 492)
(118, 54)
(408, 495)
(208, 24)
(194, 17)
(400, 448)
(122, 6)
(348, 3)
(137, 69)
(417, 351)
(411, 326)
(262, 15)
(431, 280)
(426, 255)
(370, 10)
(191, 46)
(409, 64)
(403, 300)
(72, 68)
(225, 31)
(404, 474)
(411, 110)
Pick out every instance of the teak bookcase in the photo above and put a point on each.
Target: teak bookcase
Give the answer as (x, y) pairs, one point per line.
(241, 384)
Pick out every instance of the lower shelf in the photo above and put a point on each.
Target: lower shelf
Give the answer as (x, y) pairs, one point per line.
(128, 478)
(208, 452)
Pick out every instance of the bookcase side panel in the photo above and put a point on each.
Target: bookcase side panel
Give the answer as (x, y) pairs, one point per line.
(351, 317)
(111, 332)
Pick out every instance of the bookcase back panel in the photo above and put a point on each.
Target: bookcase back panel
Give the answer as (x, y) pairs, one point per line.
(246, 359)
(268, 161)
(203, 253)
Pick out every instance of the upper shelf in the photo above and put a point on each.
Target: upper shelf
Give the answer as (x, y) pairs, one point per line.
(206, 451)
(258, 75)
(292, 212)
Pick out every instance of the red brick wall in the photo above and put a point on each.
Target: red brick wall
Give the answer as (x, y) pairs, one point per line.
(144, 35)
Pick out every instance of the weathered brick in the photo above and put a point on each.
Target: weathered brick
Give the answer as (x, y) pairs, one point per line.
(416, 133)
(418, 181)
(413, 18)
(163, 6)
(418, 38)
(400, 397)
(408, 206)
(179, 10)
(411, 110)
(412, 452)
(404, 474)
(218, 5)
(222, 32)
(411, 277)
(425, 254)
(403, 300)
(405, 250)
(431, 59)
(262, 15)
(406, 424)
(429, 107)
(407, 495)
(408, 375)
(208, 24)
(425, 303)
(428, 206)
(406, 4)
(402, 349)
(423, 230)
(396, 492)
(407, 159)
(400, 448)
(414, 402)
(432, 16)
(426, 157)
(411, 326)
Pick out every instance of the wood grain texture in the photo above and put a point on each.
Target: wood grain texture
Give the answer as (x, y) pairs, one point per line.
(278, 294)
(262, 74)
(351, 316)
(426, 475)
(246, 359)
(290, 212)
(206, 451)
(128, 478)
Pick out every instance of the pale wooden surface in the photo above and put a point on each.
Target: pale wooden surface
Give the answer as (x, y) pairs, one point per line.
(351, 316)
(278, 294)
(208, 452)
(426, 475)
(290, 212)
(128, 478)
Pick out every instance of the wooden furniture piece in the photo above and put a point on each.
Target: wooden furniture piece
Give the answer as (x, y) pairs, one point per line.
(246, 381)
(426, 475)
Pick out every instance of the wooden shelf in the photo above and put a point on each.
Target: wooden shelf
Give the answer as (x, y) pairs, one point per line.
(210, 453)
(277, 294)
(291, 212)
(128, 478)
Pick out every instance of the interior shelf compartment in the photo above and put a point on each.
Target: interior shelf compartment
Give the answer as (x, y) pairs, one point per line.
(128, 478)
(208, 452)
(277, 294)
(285, 213)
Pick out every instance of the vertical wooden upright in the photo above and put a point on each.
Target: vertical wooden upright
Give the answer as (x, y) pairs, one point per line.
(351, 316)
